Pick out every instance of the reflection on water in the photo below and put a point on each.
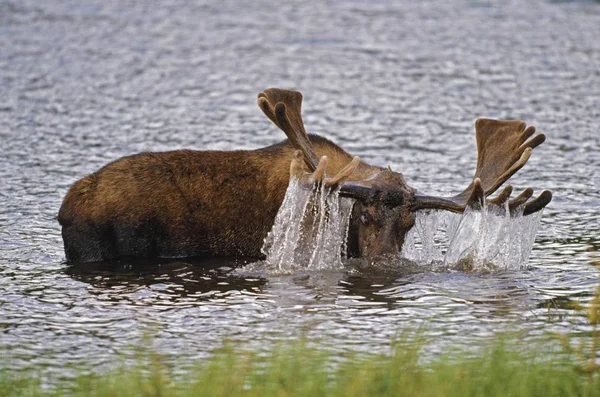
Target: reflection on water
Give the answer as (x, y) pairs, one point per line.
(176, 281)
(398, 84)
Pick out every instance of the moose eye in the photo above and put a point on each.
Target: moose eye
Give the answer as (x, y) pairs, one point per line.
(365, 218)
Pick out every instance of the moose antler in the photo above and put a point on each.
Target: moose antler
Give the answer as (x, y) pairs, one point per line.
(503, 148)
(284, 107)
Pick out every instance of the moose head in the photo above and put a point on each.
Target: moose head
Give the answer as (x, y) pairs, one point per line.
(385, 204)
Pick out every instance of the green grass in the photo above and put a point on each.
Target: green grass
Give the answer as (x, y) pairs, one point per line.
(504, 369)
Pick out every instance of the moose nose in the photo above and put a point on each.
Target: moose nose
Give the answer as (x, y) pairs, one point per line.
(384, 247)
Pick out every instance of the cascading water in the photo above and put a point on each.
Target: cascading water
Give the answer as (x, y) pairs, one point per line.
(492, 237)
(427, 241)
(310, 230)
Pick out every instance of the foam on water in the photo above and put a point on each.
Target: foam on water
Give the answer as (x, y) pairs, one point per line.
(488, 238)
(310, 230)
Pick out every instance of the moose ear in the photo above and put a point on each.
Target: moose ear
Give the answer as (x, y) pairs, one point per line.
(503, 148)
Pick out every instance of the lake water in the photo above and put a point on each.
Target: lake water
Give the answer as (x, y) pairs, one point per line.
(83, 83)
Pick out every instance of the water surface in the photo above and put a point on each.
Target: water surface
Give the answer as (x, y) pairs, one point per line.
(83, 83)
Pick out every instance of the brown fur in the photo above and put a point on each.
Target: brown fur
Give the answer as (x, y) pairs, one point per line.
(184, 203)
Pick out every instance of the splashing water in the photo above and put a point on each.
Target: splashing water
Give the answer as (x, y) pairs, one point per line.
(489, 238)
(310, 230)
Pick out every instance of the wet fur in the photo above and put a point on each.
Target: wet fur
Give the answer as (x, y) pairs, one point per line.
(184, 203)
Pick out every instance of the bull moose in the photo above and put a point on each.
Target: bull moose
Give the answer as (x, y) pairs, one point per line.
(189, 203)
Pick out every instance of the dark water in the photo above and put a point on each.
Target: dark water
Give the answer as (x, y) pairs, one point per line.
(85, 82)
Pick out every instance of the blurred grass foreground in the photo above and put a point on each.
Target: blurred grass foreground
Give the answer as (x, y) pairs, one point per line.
(505, 368)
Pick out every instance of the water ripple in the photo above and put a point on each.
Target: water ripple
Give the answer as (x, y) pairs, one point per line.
(399, 84)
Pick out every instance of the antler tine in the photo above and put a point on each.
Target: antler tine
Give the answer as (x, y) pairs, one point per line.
(502, 197)
(520, 199)
(517, 165)
(284, 108)
(538, 203)
(345, 172)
